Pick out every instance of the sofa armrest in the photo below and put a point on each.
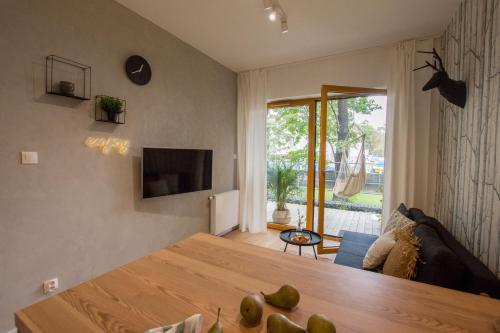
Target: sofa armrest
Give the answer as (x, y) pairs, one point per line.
(353, 248)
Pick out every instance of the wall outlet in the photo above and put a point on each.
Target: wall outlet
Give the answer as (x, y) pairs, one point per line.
(49, 286)
(29, 157)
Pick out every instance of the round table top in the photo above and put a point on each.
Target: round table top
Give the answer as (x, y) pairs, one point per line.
(287, 235)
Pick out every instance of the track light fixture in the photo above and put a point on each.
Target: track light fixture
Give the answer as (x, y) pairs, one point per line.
(272, 16)
(284, 26)
(275, 12)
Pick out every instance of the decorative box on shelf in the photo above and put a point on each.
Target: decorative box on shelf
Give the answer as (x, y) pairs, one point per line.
(65, 77)
(110, 109)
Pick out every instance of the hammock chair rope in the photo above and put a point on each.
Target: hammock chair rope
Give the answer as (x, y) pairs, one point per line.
(351, 180)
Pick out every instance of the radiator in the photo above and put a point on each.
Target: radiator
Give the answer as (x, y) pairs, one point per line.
(224, 208)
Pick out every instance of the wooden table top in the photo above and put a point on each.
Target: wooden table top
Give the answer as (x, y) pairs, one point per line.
(203, 272)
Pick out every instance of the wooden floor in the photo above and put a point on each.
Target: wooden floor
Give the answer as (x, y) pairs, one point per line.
(271, 240)
(336, 219)
(203, 273)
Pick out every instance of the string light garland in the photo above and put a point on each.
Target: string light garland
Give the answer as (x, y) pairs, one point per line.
(107, 144)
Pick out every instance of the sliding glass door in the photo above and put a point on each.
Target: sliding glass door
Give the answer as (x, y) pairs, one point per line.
(345, 131)
(309, 143)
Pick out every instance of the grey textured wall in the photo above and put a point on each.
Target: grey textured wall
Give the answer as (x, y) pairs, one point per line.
(468, 189)
(78, 213)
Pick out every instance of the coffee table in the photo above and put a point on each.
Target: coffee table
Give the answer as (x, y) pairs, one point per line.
(314, 239)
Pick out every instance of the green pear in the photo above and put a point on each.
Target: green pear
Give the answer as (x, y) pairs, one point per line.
(217, 326)
(496, 325)
(251, 308)
(319, 323)
(287, 297)
(278, 323)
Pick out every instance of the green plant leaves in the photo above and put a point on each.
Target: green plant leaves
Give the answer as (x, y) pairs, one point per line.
(111, 104)
(282, 182)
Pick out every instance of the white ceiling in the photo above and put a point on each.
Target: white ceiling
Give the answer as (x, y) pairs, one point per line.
(238, 34)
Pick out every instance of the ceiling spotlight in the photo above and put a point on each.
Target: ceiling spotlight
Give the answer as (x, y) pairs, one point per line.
(268, 4)
(272, 16)
(284, 27)
(275, 12)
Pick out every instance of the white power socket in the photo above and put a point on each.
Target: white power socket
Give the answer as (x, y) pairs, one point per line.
(49, 286)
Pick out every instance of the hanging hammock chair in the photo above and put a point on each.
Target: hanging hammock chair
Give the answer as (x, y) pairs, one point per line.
(351, 179)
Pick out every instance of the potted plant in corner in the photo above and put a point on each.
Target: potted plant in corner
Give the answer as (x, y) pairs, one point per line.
(282, 182)
(112, 106)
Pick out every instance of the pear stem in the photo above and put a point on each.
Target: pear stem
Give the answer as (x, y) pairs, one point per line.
(218, 314)
(263, 294)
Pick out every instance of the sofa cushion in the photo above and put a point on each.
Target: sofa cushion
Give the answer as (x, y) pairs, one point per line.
(353, 248)
(398, 221)
(438, 265)
(402, 259)
(379, 250)
(477, 278)
(349, 259)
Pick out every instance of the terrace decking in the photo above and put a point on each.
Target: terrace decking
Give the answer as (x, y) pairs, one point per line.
(336, 219)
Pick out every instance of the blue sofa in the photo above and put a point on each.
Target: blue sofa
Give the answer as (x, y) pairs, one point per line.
(443, 260)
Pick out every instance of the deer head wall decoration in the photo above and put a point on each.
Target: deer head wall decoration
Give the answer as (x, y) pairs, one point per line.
(454, 91)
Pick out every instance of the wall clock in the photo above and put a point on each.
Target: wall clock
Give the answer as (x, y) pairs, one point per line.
(138, 70)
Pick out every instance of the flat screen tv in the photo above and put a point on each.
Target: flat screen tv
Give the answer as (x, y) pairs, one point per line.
(167, 171)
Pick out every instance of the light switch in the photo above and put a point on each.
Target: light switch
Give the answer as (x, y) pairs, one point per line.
(29, 157)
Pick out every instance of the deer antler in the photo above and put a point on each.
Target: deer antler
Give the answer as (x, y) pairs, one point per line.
(436, 57)
(432, 66)
(428, 64)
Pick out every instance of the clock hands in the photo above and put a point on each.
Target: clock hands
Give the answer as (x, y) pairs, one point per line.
(139, 70)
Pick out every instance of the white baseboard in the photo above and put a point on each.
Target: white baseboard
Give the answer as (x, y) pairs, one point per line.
(225, 232)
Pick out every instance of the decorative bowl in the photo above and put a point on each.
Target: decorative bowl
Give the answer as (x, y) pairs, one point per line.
(67, 88)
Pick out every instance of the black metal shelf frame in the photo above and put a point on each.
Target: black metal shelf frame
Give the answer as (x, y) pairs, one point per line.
(86, 73)
(101, 115)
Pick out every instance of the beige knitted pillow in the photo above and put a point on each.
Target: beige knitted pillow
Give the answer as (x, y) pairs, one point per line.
(379, 250)
(402, 259)
(399, 221)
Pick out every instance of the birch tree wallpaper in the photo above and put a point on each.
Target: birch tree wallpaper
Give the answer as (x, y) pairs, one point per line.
(468, 188)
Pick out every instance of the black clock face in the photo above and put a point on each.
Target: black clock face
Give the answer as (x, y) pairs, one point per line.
(138, 70)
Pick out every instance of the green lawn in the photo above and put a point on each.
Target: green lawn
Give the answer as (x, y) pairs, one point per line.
(372, 199)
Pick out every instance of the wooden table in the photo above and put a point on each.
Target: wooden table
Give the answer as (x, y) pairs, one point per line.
(201, 273)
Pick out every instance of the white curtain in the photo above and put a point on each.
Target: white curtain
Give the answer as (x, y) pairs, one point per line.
(252, 110)
(401, 140)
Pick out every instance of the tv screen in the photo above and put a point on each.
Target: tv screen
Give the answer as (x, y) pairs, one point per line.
(167, 171)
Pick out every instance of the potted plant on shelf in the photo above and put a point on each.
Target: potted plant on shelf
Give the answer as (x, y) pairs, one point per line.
(282, 182)
(112, 106)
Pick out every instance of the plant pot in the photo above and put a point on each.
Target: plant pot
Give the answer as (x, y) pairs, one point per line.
(282, 216)
(113, 116)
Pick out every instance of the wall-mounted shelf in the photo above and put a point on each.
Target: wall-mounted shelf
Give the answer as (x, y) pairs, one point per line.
(75, 97)
(102, 115)
(68, 78)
